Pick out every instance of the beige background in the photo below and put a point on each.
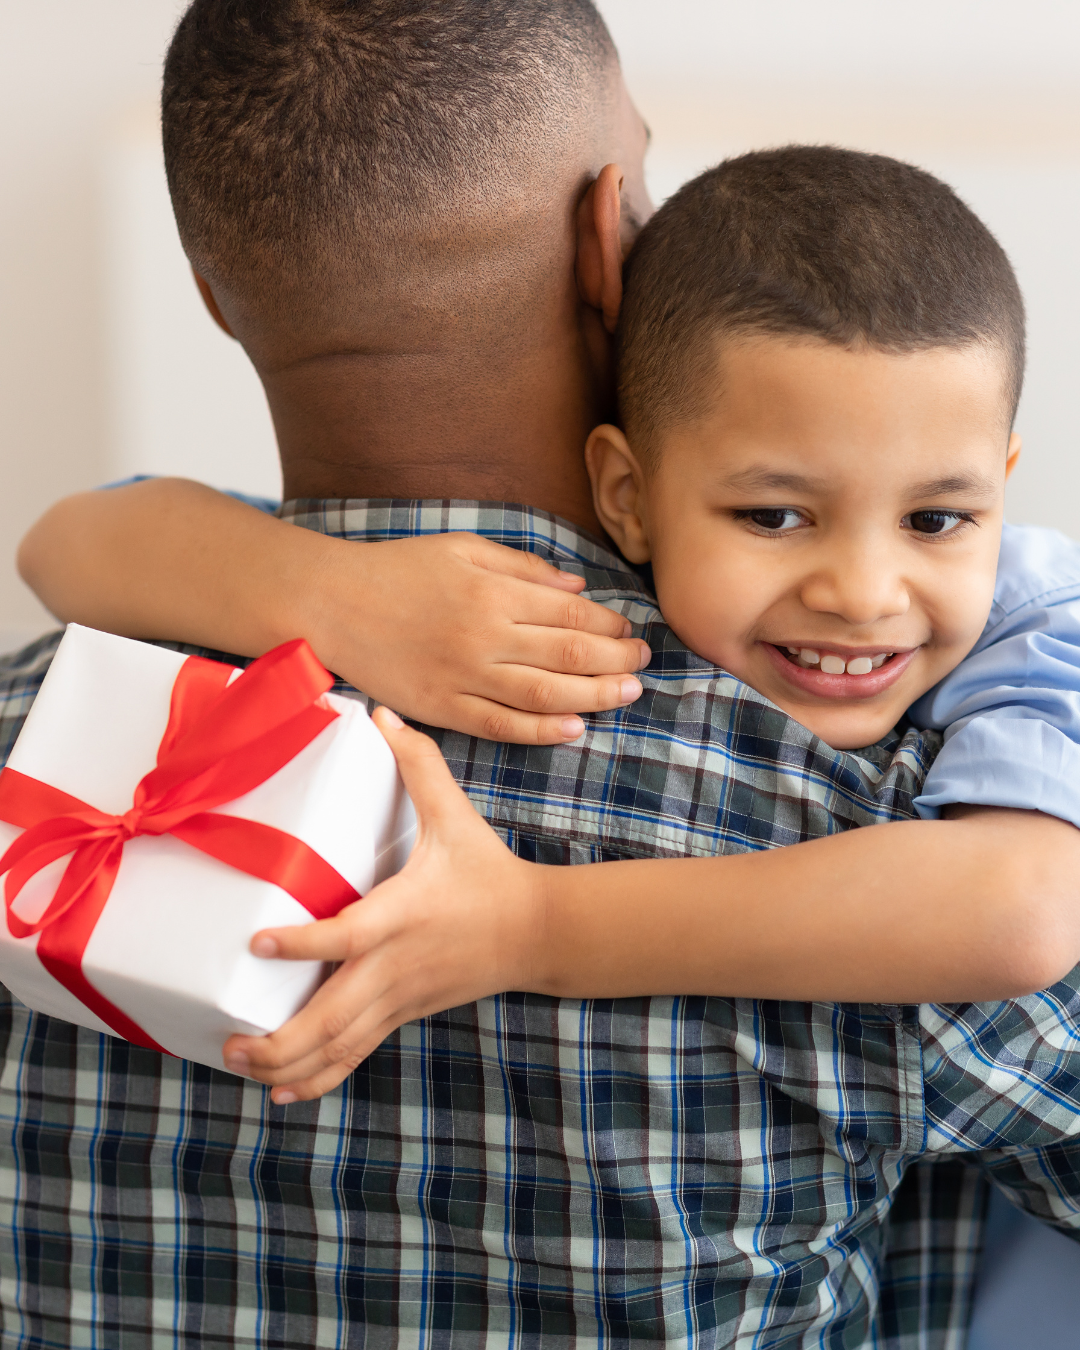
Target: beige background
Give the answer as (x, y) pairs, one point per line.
(108, 366)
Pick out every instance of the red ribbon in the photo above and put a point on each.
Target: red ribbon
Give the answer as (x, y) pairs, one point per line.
(222, 741)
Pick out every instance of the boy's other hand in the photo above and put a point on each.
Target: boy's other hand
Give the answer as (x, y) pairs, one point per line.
(457, 631)
(463, 919)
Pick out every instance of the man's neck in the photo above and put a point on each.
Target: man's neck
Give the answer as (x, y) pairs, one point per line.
(357, 427)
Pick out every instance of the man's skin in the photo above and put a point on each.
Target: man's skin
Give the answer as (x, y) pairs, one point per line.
(424, 411)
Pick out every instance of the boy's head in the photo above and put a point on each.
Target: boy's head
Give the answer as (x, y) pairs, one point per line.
(820, 358)
(372, 171)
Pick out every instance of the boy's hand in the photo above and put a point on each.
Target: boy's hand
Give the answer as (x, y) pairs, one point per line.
(457, 631)
(463, 919)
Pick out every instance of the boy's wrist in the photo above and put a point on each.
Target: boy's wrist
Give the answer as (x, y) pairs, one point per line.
(540, 938)
(316, 592)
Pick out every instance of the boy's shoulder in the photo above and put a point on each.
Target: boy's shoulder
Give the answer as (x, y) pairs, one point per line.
(1037, 567)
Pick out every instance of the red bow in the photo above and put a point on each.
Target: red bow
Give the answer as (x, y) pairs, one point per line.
(222, 741)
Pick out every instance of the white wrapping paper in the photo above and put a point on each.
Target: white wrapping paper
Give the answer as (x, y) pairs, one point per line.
(171, 946)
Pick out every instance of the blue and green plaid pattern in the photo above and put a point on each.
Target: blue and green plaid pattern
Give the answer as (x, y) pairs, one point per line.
(549, 1173)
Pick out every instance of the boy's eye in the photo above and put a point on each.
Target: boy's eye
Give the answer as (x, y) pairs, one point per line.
(776, 520)
(936, 522)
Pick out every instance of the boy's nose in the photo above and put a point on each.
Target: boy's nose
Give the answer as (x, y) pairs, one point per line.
(859, 585)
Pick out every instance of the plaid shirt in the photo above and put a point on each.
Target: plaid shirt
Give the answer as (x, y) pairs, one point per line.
(545, 1173)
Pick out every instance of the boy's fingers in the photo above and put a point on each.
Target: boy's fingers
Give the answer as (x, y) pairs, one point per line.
(333, 1026)
(496, 722)
(526, 566)
(310, 1089)
(544, 607)
(525, 689)
(565, 653)
(425, 773)
(336, 939)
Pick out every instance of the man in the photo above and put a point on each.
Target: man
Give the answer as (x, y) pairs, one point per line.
(410, 216)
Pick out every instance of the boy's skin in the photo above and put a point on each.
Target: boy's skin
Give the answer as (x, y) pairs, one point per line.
(850, 451)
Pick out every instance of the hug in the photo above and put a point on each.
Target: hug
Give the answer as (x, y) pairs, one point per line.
(738, 948)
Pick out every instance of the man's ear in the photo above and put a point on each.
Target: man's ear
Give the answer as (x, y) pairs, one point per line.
(211, 304)
(599, 245)
(619, 491)
(1015, 446)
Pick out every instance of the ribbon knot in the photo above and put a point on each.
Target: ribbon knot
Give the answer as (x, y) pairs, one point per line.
(130, 824)
(224, 738)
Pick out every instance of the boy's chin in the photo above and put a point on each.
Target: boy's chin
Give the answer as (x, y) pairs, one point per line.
(849, 728)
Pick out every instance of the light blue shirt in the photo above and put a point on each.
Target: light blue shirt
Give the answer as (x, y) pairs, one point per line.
(1011, 709)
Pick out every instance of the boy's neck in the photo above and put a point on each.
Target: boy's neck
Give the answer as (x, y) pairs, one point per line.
(427, 426)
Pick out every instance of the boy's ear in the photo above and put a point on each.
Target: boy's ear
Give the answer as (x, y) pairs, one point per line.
(211, 304)
(619, 491)
(599, 245)
(1015, 446)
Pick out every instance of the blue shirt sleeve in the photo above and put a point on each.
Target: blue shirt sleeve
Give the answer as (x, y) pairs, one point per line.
(265, 504)
(1011, 710)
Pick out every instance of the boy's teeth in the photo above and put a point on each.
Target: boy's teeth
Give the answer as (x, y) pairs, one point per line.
(831, 664)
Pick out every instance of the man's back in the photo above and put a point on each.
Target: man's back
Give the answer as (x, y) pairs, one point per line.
(563, 1172)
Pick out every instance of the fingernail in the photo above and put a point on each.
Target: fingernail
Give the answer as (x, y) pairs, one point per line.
(238, 1062)
(264, 946)
(646, 655)
(626, 629)
(572, 728)
(629, 689)
(391, 718)
(282, 1096)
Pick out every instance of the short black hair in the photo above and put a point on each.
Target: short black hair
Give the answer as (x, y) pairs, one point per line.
(806, 241)
(299, 129)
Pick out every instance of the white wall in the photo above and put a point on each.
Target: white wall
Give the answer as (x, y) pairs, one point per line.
(107, 363)
(67, 69)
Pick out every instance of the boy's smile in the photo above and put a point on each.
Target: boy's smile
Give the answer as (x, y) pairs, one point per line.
(828, 532)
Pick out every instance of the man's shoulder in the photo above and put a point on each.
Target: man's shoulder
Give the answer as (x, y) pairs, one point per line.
(21, 674)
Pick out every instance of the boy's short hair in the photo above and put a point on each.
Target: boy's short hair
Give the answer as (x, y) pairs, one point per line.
(304, 137)
(806, 241)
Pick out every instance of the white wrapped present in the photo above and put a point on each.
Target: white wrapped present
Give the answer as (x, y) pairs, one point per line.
(164, 944)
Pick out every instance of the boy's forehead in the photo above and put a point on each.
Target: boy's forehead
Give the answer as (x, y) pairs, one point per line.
(781, 381)
(813, 418)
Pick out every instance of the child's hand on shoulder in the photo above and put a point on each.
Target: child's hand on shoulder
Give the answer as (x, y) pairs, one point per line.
(456, 631)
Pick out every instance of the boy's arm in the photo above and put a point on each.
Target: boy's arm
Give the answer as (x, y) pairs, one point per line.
(452, 630)
(983, 906)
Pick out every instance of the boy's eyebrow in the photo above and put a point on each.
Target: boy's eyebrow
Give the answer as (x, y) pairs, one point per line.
(971, 484)
(762, 479)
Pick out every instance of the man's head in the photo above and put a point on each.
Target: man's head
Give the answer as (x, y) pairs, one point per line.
(379, 182)
(821, 354)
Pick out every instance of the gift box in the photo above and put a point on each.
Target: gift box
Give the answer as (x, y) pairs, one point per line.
(158, 810)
